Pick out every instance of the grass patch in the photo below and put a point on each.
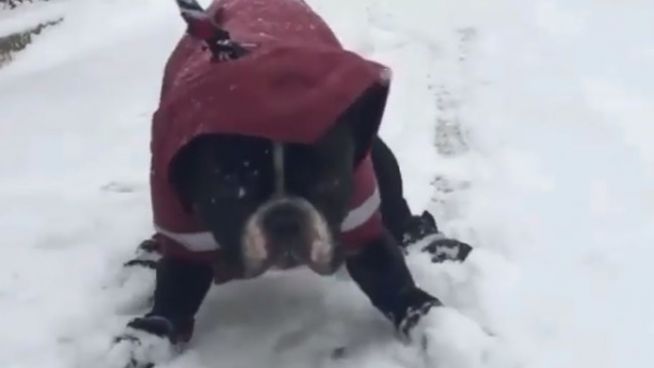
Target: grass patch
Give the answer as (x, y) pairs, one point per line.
(15, 42)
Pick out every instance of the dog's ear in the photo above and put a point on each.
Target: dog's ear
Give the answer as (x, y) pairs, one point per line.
(364, 118)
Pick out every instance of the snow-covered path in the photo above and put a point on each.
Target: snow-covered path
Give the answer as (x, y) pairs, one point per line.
(525, 127)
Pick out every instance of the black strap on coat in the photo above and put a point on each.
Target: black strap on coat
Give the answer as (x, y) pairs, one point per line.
(204, 26)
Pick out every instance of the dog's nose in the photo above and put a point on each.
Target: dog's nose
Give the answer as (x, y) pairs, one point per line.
(283, 220)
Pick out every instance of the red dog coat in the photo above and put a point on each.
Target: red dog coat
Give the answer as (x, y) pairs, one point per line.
(292, 87)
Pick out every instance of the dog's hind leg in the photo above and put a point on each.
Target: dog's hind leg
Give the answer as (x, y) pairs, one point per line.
(405, 227)
(381, 272)
(394, 207)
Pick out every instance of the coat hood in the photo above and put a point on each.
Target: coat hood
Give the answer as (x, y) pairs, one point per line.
(291, 86)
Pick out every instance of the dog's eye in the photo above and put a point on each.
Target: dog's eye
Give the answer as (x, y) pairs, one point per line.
(252, 174)
(227, 185)
(329, 186)
(242, 192)
(231, 192)
(242, 183)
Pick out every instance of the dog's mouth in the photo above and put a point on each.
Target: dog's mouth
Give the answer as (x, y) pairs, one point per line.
(285, 233)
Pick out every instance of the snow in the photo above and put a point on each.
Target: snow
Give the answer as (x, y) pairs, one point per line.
(544, 164)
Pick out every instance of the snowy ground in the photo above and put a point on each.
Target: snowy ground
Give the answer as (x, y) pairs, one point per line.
(526, 126)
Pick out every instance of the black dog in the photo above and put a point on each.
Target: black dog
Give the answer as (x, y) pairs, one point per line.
(248, 199)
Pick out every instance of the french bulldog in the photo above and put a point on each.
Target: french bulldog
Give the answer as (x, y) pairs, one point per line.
(261, 159)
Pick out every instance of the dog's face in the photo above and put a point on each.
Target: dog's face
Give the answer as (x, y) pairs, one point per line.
(269, 204)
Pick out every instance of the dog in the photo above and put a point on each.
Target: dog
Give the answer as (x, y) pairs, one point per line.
(261, 159)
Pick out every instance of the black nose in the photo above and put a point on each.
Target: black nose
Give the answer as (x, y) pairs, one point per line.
(283, 220)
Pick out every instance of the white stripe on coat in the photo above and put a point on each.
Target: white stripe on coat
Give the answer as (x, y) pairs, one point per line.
(358, 216)
(195, 242)
(205, 242)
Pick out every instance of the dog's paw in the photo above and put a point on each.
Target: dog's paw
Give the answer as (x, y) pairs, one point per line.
(450, 339)
(445, 249)
(136, 279)
(140, 349)
(414, 315)
(147, 255)
(145, 343)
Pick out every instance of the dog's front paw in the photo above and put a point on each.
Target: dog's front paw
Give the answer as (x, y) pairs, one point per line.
(146, 342)
(140, 349)
(450, 339)
(147, 254)
(445, 249)
(414, 314)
